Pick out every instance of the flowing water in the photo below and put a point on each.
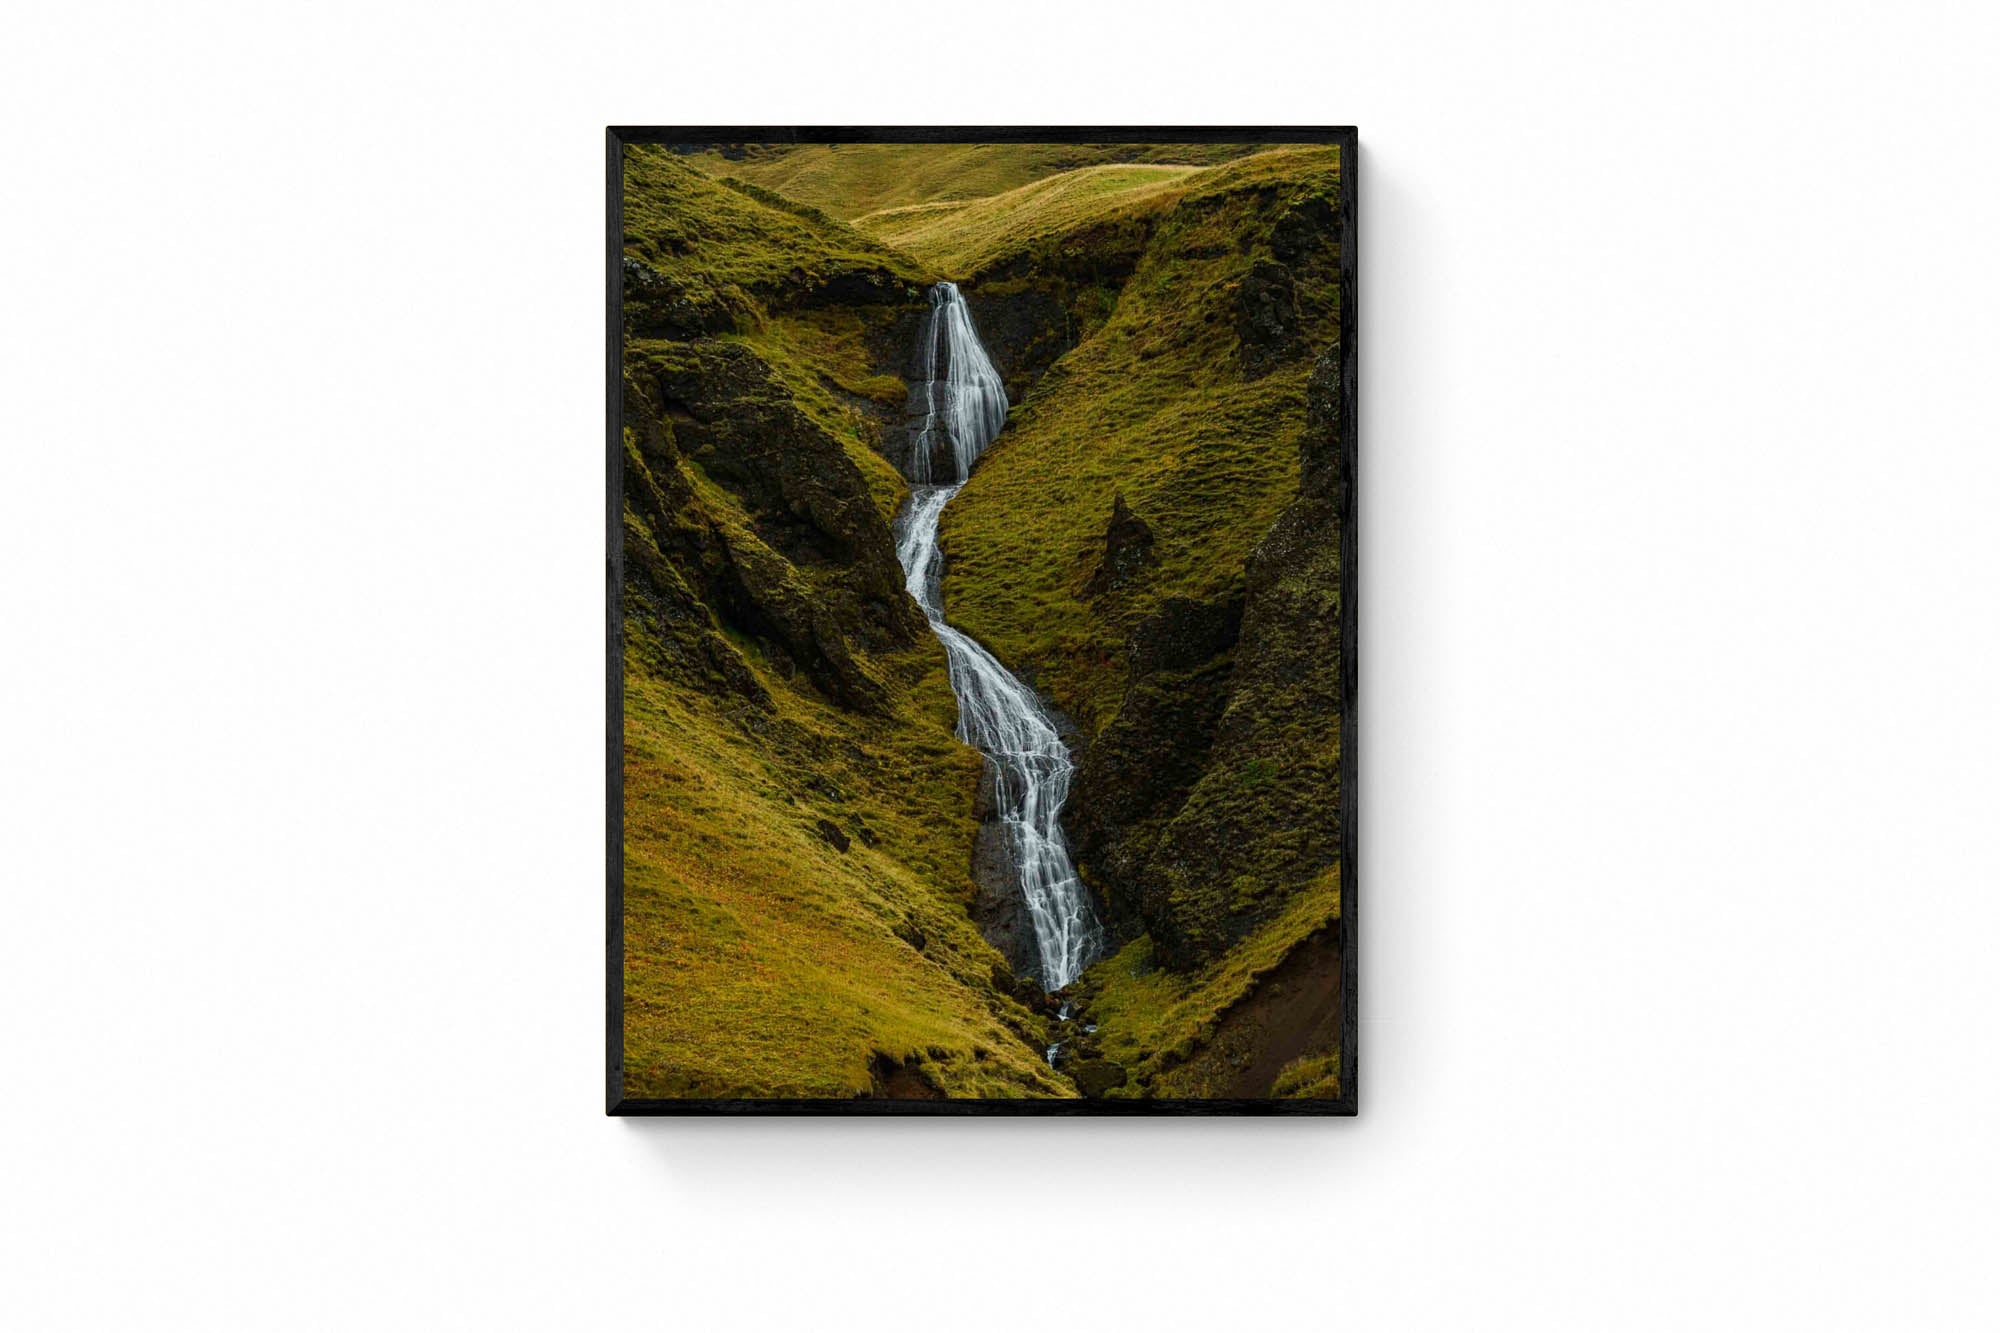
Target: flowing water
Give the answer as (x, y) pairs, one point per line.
(966, 405)
(997, 714)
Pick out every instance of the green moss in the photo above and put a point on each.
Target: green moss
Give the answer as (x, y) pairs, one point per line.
(1310, 1076)
(683, 224)
(1152, 404)
(762, 961)
(1151, 1020)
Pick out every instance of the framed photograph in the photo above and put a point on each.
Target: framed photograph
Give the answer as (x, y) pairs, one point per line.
(980, 620)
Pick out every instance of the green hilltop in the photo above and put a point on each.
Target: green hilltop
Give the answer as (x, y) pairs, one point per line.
(851, 179)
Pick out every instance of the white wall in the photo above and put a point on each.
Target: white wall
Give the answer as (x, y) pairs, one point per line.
(1679, 649)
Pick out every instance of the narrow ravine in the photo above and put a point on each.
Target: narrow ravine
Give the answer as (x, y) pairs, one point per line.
(965, 407)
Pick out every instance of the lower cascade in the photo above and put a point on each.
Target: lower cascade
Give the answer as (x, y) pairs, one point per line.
(997, 714)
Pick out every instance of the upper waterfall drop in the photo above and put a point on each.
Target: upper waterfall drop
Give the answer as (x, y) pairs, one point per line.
(965, 404)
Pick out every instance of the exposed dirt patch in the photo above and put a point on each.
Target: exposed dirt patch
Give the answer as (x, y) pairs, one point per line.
(898, 1082)
(1295, 1011)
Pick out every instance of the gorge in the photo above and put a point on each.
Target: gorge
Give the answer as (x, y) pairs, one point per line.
(982, 681)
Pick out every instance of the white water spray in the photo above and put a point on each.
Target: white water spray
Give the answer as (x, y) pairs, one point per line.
(998, 714)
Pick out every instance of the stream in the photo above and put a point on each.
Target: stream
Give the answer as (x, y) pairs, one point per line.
(965, 407)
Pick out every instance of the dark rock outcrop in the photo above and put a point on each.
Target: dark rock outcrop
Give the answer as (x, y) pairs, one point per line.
(1138, 771)
(814, 577)
(897, 1080)
(658, 306)
(1304, 229)
(805, 498)
(667, 588)
(1267, 318)
(1128, 548)
(863, 287)
(997, 908)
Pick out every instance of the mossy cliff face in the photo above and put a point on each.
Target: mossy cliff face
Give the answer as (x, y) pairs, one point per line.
(1259, 821)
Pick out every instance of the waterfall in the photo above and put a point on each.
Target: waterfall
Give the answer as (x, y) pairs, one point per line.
(997, 714)
(966, 406)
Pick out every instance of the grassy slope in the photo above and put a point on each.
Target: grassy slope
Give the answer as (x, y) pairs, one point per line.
(848, 180)
(959, 239)
(750, 249)
(1151, 1021)
(760, 959)
(1152, 405)
(687, 225)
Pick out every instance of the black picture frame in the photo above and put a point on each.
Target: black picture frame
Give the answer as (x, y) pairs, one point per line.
(616, 137)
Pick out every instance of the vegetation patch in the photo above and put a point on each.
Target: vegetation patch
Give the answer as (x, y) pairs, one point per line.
(1153, 1022)
(683, 225)
(1155, 404)
(960, 239)
(763, 960)
(1310, 1076)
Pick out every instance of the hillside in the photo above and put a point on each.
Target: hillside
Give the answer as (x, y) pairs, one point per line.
(964, 237)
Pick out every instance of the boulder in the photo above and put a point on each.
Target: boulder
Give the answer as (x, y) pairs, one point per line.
(658, 306)
(1128, 549)
(1267, 318)
(996, 906)
(1094, 1078)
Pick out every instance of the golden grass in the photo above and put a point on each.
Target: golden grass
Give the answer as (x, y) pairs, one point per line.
(684, 224)
(762, 962)
(849, 180)
(960, 239)
(1310, 1076)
